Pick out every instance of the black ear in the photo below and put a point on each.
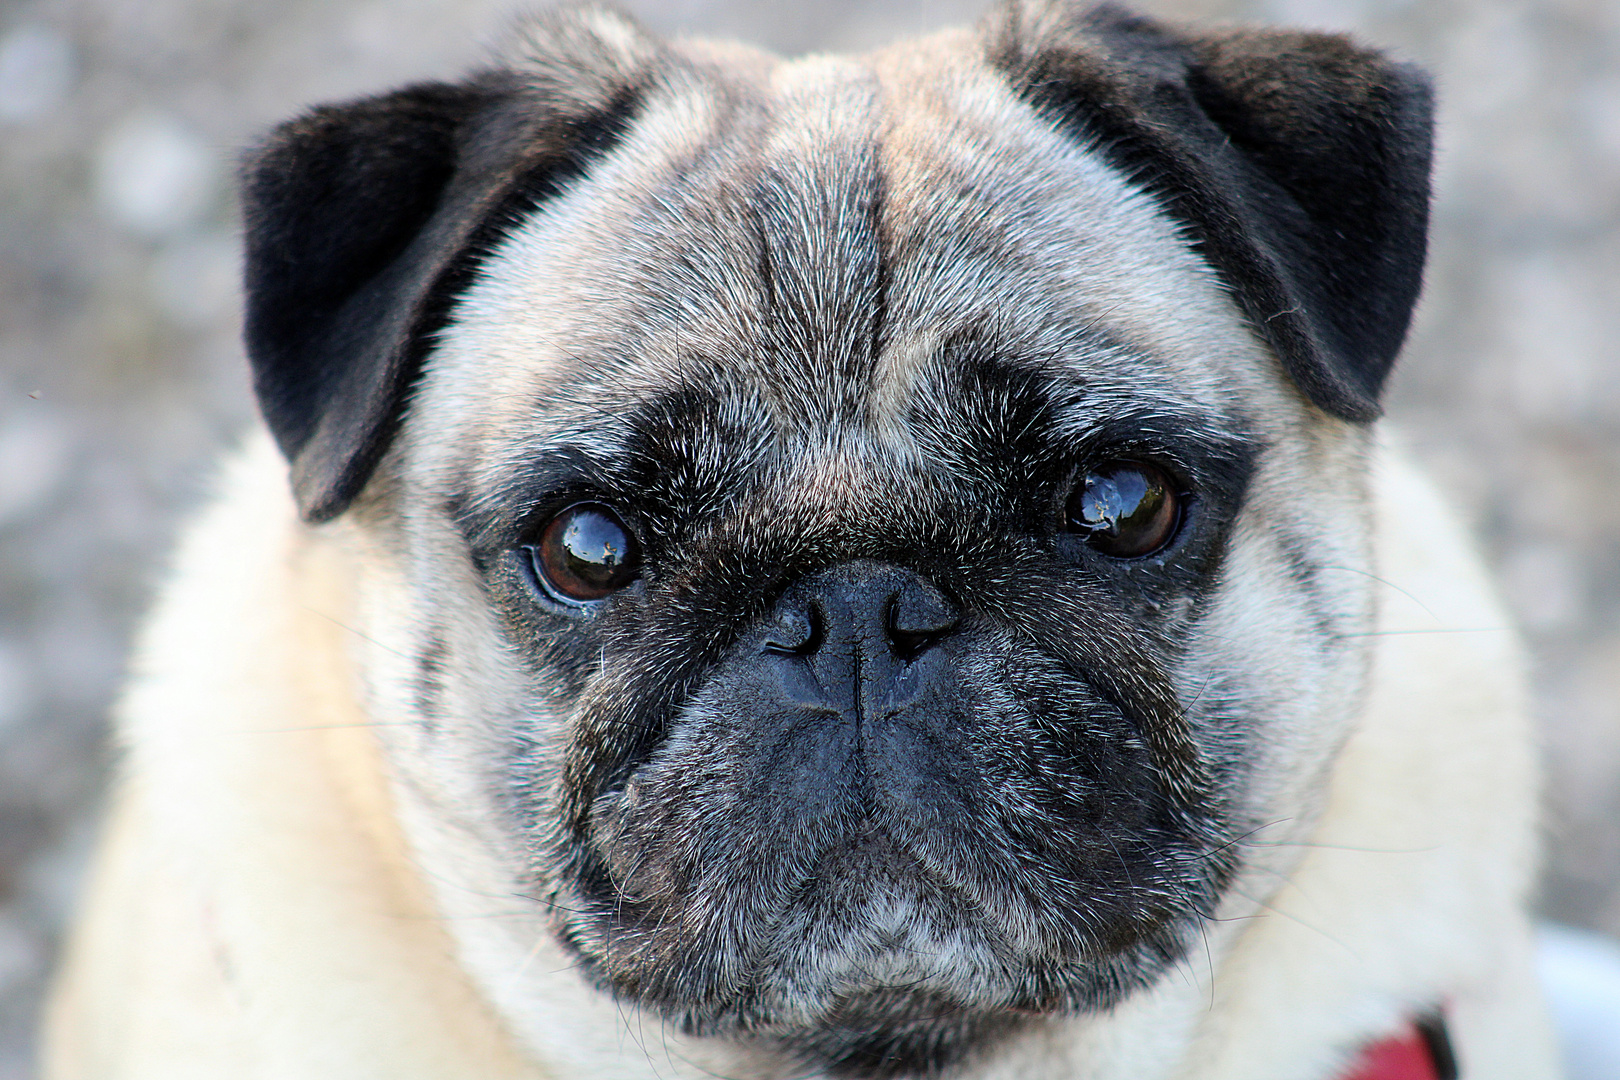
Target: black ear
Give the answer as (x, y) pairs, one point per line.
(364, 221)
(1297, 163)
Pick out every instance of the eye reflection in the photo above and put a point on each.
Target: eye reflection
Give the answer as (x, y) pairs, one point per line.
(585, 554)
(1125, 509)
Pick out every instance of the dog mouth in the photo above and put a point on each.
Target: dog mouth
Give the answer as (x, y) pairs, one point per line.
(870, 957)
(864, 936)
(874, 856)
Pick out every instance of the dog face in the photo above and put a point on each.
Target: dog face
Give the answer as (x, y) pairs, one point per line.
(875, 548)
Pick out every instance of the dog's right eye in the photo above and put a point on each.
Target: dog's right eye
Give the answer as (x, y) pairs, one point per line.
(585, 554)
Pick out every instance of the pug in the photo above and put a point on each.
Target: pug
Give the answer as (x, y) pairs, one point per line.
(867, 567)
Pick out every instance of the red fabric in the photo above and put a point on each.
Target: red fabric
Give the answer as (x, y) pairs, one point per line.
(1400, 1057)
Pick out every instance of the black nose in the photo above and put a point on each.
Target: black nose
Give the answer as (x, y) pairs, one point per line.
(866, 602)
(849, 637)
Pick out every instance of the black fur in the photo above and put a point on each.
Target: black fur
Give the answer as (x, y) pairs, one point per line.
(363, 223)
(1298, 164)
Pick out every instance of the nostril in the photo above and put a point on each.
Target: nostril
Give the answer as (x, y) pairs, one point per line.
(918, 616)
(909, 646)
(795, 632)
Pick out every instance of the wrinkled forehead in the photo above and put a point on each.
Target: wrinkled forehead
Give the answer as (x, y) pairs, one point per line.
(822, 244)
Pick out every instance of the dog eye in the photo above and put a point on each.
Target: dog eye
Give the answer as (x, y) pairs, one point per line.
(585, 553)
(1125, 509)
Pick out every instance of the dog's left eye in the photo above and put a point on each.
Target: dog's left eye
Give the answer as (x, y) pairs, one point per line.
(1125, 509)
(585, 553)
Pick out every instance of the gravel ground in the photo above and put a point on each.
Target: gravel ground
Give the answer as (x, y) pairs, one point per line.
(121, 377)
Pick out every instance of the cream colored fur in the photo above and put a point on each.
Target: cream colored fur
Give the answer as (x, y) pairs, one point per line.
(255, 912)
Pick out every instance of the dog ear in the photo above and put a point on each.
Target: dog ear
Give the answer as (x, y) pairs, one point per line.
(1297, 164)
(364, 222)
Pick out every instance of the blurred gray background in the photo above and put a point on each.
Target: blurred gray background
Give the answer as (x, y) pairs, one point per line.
(121, 377)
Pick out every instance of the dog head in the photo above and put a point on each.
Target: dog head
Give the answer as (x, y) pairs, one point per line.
(867, 543)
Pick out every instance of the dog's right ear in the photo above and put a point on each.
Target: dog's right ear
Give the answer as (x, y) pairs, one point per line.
(364, 221)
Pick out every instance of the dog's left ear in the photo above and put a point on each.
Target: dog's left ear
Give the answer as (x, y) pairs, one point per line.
(364, 222)
(1297, 163)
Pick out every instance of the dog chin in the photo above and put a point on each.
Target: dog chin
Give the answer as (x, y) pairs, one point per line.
(908, 997)
(879, 1034)
(872, 969)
